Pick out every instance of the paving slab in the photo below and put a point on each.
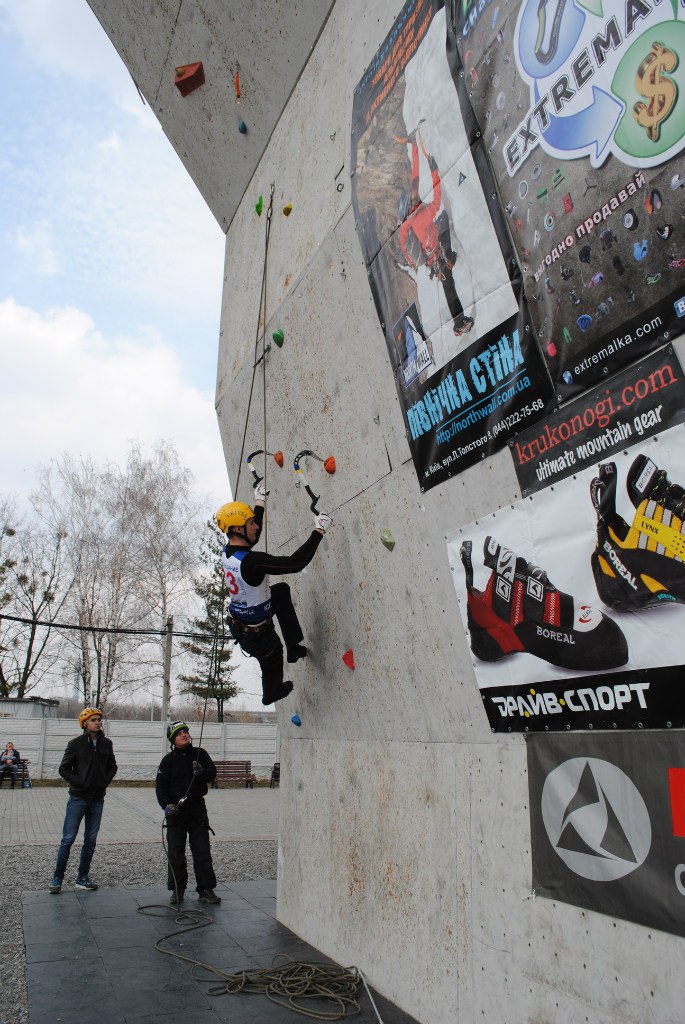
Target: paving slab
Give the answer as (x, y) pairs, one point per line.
(34, 817)
(108, 937)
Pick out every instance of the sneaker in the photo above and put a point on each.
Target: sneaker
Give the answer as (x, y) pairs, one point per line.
(208, 896)
(641, 565)
(283, 691)
(55, 885)
(177, 899)
(84, 882)
(521, 611)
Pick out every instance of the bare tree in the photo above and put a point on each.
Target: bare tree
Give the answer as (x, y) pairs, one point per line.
(132, 543)
(38, 579)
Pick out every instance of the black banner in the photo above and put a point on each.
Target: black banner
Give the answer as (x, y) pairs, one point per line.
(607, 818)
(581, 110)
(441, 265)
(635, 404)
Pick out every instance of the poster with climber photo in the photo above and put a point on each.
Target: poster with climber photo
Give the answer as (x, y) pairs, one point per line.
(573, 599)
(582, 110)
(440, 262)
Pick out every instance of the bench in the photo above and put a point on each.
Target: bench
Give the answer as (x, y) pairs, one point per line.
(22, 767)
(234, 771)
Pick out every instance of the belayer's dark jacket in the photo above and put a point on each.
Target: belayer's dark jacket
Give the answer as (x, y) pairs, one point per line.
(175, 775)
(88, 768)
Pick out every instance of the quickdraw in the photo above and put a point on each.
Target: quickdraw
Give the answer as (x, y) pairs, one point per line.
(256, 478)
(328, 465)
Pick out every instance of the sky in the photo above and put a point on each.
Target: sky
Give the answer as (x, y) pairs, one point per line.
(107, 334)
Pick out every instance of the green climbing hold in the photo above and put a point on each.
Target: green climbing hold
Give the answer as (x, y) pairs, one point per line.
(259, 206)
(387, 538)
(279, 337)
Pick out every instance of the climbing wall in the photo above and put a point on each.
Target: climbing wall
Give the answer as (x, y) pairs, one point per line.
(405, 842)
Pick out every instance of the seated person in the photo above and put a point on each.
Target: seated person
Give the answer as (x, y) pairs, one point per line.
(9, 763)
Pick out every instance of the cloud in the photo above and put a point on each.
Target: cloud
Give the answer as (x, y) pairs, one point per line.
(68, 387)
(37, 245)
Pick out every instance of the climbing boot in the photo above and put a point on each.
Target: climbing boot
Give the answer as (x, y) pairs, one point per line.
(641, 565)
(283, 690)
(521, 611)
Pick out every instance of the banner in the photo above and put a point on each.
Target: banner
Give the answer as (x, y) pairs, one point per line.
(581, 106)
(634, 405)
(607, 822)
(441, 265)
(573, 597)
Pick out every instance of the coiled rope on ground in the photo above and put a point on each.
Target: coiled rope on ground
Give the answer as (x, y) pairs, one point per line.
(296, 985)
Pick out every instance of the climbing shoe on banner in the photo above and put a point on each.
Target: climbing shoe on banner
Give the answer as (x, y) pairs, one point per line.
(520, 611)
(642, 565)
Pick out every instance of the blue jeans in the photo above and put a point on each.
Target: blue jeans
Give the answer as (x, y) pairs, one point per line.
(77, 810)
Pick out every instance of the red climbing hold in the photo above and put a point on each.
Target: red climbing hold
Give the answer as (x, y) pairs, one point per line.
(348, 658)
(189, 77)
(278, 459)
(329, 464)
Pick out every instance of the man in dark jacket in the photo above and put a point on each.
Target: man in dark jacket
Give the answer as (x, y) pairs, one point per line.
(181, 788)
(88, 766)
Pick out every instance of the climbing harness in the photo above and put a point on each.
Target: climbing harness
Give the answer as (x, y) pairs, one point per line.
(328, 465)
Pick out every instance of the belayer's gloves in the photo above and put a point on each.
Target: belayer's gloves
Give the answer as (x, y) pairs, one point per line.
(198, 770)
(322, 522)
(169, 809)
(260, 495)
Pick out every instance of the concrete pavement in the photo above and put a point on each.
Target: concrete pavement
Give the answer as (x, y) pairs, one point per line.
(34, 817)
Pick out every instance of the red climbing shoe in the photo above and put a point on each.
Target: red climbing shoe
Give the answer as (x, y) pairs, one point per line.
(643, 565)
(520, 611)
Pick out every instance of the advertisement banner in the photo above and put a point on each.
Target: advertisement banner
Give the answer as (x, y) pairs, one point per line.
(607, 821)
(634, 405)
(572, 598)
(582, 110)
(442, 269)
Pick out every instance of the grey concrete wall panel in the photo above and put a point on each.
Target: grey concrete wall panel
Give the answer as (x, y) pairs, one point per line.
(271, 42)
(329, 388)
(138, 746)
(404, 839)
(381, 844)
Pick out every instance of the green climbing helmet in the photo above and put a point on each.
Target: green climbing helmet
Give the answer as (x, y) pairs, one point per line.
(174, 729)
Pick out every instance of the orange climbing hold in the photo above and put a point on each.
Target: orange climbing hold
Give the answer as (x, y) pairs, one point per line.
(348, 658)
(189, 77)
(329, 464)
(278, 459)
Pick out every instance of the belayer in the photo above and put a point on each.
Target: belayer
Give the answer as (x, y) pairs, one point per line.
(180, 788)
(253, 602)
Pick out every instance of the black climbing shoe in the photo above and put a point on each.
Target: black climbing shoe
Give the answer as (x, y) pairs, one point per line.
(177, 899)
(283, 691)
(520, 611)
(295, 653)
(642, 565)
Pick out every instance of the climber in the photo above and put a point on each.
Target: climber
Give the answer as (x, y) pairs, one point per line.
(253, 601)
(425, 238)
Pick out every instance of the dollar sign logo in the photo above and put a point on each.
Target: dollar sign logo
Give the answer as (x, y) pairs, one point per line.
(661, 92)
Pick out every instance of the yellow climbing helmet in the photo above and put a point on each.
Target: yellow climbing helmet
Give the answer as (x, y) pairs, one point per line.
(86, 714)
(234, 513)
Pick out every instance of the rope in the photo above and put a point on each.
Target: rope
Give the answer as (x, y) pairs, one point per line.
(261, 330)
(293, 984)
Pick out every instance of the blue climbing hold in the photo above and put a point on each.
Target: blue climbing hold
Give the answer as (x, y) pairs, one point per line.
(296, 720)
